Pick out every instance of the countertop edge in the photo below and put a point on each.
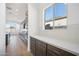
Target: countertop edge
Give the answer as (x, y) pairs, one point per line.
(66, 49)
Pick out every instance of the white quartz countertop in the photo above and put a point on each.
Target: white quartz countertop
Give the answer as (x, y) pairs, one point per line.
(71, 47)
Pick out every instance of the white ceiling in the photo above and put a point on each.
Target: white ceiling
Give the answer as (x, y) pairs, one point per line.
(16, 12)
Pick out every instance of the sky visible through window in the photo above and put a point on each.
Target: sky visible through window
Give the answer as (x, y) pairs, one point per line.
(49, 13)
(58, 10)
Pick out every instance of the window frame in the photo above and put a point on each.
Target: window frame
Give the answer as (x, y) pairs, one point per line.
(63, 26)
(59, 27)
(50, 5)
(53, 19)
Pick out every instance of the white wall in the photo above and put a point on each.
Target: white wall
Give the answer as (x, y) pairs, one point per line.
(71, 34)
(32, 21)
(2, 28)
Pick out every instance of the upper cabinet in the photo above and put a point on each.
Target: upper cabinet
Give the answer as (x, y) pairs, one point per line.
(55, 16)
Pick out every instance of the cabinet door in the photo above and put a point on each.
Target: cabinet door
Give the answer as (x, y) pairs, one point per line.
(54, 51)
(51, 51)
(40, 48)
(32, 45)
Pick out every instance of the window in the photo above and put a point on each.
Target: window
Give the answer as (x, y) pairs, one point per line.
(55, 16)
(60, 15)
(48, 16)
(10, 24)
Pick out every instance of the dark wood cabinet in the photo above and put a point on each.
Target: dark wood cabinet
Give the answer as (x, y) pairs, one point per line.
(54, 51)
(39, 48)
(32, 45)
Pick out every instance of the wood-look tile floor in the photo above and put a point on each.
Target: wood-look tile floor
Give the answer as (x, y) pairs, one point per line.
(16, 47)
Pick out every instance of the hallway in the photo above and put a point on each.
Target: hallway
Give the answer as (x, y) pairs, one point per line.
(17, 47)
(39, 29)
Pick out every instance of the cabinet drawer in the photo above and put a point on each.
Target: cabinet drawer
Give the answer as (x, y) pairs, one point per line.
(51, 53)
(40, 43)
(57, 51)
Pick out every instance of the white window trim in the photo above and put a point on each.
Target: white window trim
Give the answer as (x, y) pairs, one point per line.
(53, 20)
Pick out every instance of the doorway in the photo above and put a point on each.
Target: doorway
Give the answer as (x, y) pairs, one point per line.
(17, 29)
